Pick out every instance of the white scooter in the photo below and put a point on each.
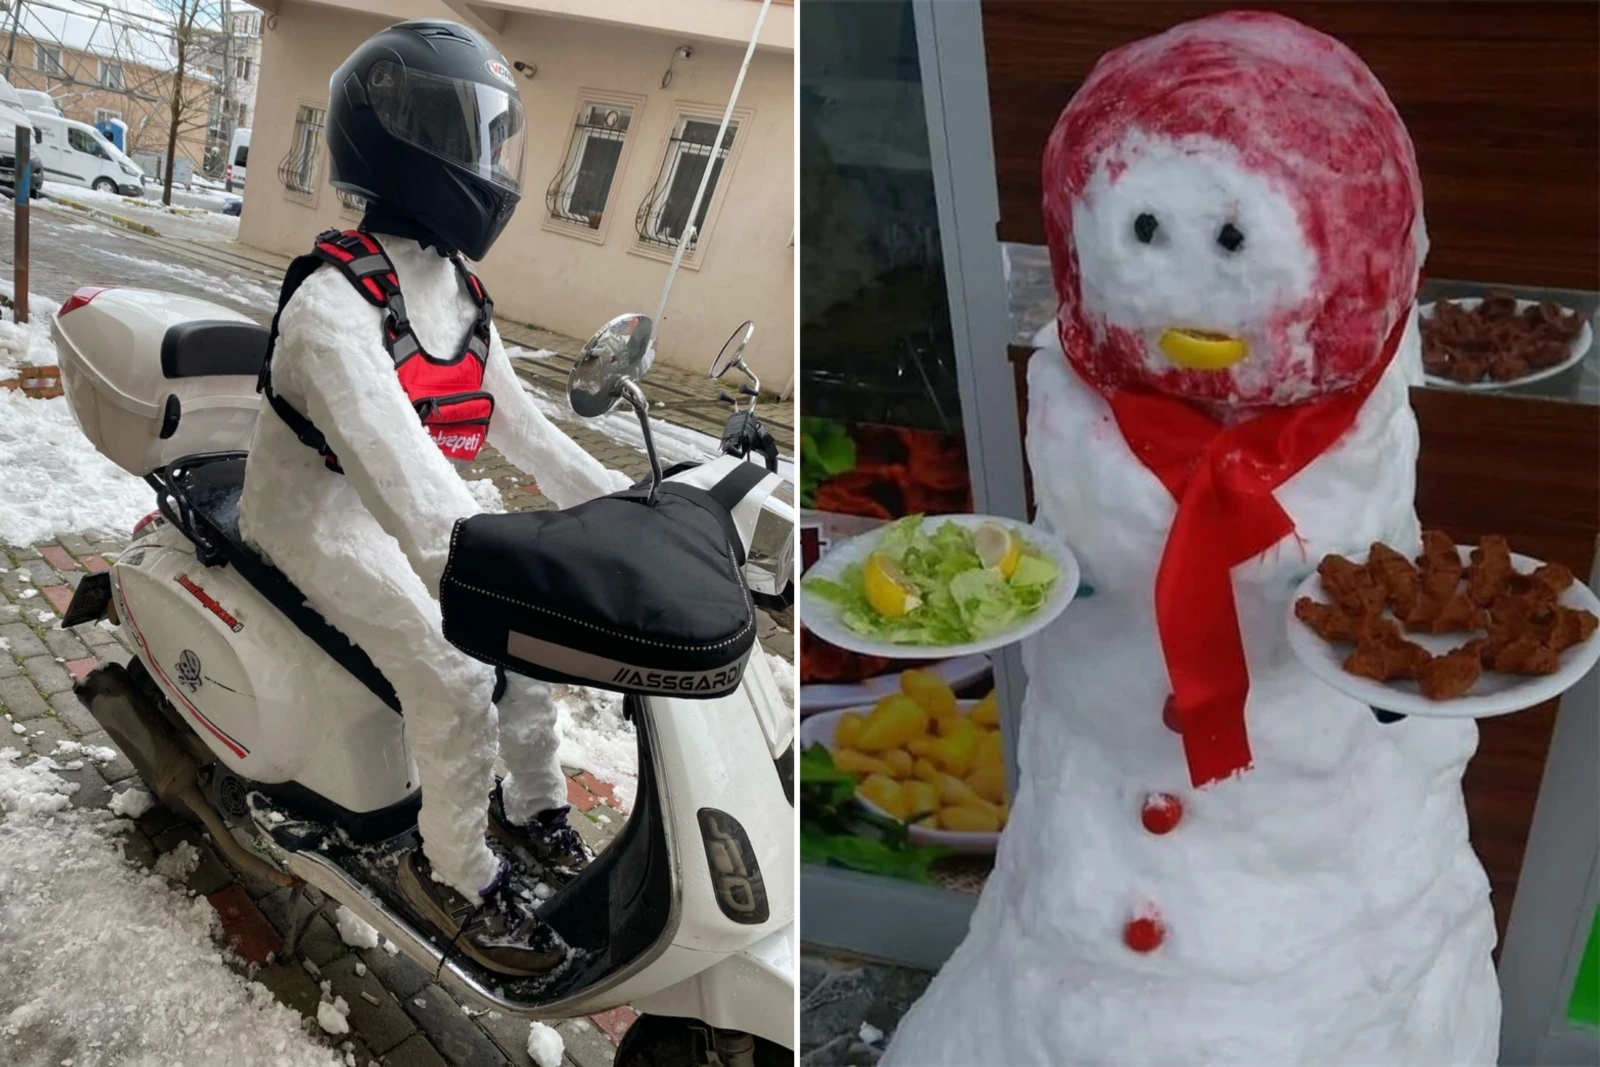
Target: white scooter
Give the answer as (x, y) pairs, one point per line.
(247, 709)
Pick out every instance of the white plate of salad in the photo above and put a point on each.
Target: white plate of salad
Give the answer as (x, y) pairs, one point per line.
(942, 585)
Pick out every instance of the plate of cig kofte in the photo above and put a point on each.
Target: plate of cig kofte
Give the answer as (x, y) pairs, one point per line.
(1455, 632)
(1496, 340)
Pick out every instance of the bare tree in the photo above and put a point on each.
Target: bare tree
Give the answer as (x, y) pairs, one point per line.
(184, 100)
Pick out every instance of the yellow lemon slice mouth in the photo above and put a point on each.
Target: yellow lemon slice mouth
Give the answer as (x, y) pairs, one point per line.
(1202, 350)
(888, 590)
(998, 547)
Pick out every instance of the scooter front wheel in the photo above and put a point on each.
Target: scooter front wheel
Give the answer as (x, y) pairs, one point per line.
(668, 1041)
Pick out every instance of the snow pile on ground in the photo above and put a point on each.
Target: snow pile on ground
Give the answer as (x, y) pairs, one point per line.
(55, 482)
(595, 737)
(21, 344)
(545, 1045)
(331, 1019)
(233, 288)
(107, 967)
(518, 352)
(131, 803)
(488, 497)
(354, 930)
(178, 864)
(197, 208)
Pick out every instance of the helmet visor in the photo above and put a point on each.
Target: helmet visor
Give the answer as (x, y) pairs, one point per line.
(465, 122)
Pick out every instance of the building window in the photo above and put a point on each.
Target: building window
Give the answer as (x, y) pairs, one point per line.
(48, 60)
(102, 114)
(246, 25)
(111, 75)
(298, 171)
(242, 68)
(580, 189)
(664, 215)
(355, 205)
(244, 115)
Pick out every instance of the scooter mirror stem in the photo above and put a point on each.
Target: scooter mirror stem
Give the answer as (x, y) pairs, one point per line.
(635, 396)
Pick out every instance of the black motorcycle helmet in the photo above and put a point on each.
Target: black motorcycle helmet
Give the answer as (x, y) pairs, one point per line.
(424, 121)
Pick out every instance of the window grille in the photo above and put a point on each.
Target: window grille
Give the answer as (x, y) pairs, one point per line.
(298, 171)
(351, 202)
(580, 189)
(664, 215)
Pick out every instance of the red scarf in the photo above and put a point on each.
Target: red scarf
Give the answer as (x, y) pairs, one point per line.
(1223, 478)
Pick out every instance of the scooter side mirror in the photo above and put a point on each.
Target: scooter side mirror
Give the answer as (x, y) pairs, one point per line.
(609, 369)
(733, 351)
(616, 357)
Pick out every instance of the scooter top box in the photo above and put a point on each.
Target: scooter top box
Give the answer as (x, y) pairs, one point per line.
(154, 376)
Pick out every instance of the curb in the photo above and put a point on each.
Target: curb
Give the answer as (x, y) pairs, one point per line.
(119, 220)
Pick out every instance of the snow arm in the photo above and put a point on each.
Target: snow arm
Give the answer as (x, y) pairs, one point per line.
(331, 365)
(519, 430)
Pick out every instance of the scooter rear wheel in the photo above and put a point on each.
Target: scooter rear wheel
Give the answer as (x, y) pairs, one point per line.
(668, 1041)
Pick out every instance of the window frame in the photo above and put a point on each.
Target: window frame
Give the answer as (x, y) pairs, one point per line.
(683, 112)
(102, 66)
(586, 98)
(58, 68)
(103, 114)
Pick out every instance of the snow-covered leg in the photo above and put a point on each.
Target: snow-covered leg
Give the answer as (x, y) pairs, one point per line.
(528, 743)
(358, 578)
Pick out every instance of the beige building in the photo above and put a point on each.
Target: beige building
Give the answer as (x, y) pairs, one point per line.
(91, 88)
(623, 98)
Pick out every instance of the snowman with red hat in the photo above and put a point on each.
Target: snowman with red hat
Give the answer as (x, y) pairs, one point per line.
(1214, 858)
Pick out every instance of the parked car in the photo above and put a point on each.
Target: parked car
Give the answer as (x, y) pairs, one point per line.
(12, 115)
(74, 153)
(238, 154)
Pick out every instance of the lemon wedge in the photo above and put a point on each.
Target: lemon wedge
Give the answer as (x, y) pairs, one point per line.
(998, 547)
(888, 590)
(1199, 350)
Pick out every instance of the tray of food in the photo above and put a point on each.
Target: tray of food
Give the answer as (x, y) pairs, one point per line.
(1456, 632)
(1496, 340)
(923, 757)
(940, 587)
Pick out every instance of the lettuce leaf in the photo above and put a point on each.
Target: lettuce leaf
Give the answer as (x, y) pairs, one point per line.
(961, 601)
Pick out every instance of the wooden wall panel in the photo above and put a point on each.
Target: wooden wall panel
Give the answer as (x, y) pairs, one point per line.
(1528, 469)
(1502, 100)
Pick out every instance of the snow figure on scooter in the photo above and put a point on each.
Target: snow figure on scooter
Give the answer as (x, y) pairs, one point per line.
(350, 491)
(1214, 858)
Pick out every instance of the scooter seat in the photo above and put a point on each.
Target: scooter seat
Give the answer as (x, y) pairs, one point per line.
(207, 490)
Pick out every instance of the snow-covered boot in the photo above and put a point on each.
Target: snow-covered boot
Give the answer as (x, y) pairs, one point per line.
(495, 933)
(549, 841)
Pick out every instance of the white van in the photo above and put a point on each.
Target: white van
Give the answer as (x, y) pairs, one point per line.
(74, 153)
(238, 154)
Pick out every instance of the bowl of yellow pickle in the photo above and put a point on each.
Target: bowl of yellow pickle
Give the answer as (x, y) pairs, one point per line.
(924, 757)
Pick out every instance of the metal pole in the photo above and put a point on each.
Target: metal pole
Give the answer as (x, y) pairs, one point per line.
(705, 179)
(22, 183)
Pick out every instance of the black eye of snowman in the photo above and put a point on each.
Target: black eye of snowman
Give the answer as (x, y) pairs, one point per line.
(1144, 227)
(1230, 238)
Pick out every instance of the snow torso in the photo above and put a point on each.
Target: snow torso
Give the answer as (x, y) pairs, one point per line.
(1322, 908)
(286, 478)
